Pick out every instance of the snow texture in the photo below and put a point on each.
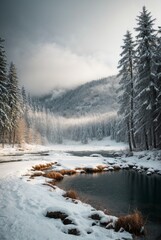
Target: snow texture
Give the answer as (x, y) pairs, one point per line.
(24, 202)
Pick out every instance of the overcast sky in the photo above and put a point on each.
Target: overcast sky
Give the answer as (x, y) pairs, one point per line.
(62, 43)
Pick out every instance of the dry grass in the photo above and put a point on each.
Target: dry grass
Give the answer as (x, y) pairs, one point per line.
(101, 168)
(42, 167)
(132, 223)
(71, 194)
(67, 172)
(54, 175)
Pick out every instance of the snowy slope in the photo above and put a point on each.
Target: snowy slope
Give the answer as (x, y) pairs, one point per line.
(25, 202)
(94, 97)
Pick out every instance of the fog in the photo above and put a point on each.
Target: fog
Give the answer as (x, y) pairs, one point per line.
(60, 43)
(53, 66)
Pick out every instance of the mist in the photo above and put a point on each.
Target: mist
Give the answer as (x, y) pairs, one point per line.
(54, 66)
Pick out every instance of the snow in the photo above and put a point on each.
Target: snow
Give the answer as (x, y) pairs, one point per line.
(104, 145)
(24, 202)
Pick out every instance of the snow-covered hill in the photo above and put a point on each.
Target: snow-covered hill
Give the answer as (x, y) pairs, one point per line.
(98, 96)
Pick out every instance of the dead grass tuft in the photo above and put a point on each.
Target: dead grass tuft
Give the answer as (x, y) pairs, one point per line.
(100, 168)
(132, 223)
(41, 167)
(71, 194)
(54, 175)
(67, 172)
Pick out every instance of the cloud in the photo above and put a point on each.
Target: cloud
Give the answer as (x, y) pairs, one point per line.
(51, 66)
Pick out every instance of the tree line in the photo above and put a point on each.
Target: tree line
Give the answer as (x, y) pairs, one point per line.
(10, 100)
(140, 85)
(15, 123)
(24, 119)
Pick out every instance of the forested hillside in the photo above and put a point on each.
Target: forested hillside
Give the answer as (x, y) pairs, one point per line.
(95, 97)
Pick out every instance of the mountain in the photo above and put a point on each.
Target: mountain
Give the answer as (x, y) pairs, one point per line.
(97, 96)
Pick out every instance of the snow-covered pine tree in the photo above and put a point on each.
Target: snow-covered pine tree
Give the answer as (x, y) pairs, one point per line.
(24, 98)
(146, 77)
(4, 108)
(14, 101)
(158, 98)
(126, 89)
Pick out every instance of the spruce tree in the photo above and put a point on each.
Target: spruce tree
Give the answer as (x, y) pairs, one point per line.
(14, 101)
(146, 78)
(158, 91)
(4, 108)
(126, 98)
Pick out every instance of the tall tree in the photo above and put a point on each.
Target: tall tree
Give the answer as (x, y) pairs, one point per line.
(126, 98)
(14, 101)
(4, 121)
(158, 90)
(146, 77)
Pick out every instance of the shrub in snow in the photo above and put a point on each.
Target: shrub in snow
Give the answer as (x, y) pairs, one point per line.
(132, 223)
(55, 175)
(71, 194)
(42, 166)
(67, 172)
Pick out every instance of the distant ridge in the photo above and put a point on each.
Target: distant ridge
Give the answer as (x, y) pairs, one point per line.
(98, 96)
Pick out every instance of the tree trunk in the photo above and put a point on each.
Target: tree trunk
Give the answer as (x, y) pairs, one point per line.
(3, 137)
(129, 135)
(14, 134)
(146, 139)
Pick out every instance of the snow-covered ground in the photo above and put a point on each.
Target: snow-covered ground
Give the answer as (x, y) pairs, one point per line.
(24, 202)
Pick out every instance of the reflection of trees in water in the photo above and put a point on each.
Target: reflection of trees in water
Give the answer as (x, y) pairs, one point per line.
(144, 192)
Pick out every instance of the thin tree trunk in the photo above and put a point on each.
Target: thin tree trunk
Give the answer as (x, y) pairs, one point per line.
(10, 137)
(146, 139)
(3, 137)
(129, 135)
(14, 134)
(153, 137)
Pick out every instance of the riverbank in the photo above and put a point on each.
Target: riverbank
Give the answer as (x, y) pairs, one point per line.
(25, 202)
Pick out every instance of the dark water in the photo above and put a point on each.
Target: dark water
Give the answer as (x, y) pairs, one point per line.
(121, 193)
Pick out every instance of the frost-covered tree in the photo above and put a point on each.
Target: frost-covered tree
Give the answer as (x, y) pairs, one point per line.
(126, 89)
(146, 77)
(158, 91)
(4, 121)
(14, 101)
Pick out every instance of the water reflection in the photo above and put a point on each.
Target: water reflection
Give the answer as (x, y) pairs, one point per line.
(122, 192)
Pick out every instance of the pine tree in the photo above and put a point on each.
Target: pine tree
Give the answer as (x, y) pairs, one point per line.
(158, 98)
(126, 98)
(14, 101)
(146, 77)
(4, 108)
